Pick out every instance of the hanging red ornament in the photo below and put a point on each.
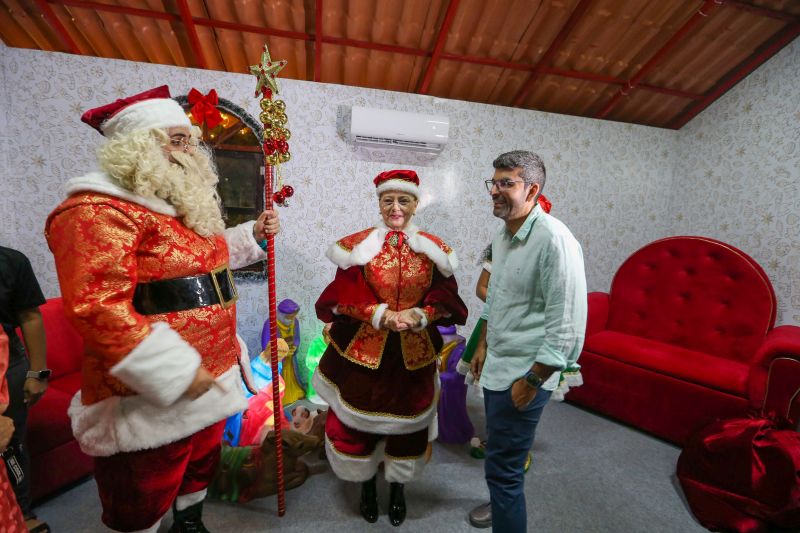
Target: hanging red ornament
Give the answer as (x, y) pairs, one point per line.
(288, 191)
(278, 198)
(269, 146)
(282, 146)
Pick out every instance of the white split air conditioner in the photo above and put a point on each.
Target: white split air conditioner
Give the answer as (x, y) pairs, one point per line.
(385, 128)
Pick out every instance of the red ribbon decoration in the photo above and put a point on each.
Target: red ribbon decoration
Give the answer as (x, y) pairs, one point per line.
(204, 108)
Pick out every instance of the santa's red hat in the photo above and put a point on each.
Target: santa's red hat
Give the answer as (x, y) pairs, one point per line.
(144, 111)
(397, 180)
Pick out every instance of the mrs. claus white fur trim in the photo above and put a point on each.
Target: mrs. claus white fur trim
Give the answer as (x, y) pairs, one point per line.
(380, 424)
(398, 185)
(352, 467)
(364, 251)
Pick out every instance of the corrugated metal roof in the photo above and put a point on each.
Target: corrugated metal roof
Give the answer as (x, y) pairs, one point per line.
(642, 61)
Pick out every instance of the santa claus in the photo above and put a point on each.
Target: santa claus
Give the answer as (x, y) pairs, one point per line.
(144, 262)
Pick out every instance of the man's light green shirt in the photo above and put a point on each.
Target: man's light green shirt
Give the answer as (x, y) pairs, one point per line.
(537, 303)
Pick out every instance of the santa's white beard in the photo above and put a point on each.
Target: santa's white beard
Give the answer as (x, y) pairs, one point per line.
(189, 185)
(195, 195)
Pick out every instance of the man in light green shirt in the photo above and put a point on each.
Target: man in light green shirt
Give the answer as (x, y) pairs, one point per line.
(536, 322)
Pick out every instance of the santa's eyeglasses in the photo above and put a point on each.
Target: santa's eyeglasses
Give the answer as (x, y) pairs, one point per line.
(183, 143)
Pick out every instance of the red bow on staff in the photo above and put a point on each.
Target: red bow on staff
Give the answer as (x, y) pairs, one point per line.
(204, 108)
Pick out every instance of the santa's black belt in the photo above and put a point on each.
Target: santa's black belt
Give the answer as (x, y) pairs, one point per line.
(191, 292)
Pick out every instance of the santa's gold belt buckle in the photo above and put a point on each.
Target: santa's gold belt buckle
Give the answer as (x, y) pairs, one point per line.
(225, 303)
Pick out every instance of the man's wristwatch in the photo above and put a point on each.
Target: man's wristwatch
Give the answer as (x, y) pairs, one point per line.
(533, 380)
(41, 375)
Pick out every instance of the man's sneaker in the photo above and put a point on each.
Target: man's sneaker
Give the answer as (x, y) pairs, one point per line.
(481, 516)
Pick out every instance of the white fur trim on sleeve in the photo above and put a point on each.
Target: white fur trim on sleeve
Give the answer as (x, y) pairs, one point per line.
(161, 367)
(377, 316)
(243, 249)
(131, 423)
(423, 322)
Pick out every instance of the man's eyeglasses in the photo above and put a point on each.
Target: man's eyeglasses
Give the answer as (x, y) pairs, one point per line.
(183, 143)
(502, 185)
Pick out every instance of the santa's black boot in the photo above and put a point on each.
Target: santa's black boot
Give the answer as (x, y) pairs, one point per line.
(397, 504)
(369, 501)
(189, 520)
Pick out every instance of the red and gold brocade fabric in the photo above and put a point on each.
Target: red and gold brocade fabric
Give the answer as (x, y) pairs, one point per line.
(103, 246)
(401, 279)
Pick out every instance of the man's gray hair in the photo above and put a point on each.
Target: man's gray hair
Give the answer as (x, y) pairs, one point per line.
(531, 164)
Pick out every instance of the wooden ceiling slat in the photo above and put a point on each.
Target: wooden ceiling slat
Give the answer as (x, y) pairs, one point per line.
(194, 40)
(706, 56)
(499, 52)
(708, 7)
(59, 28)
(573, 19)
(762, 11)
(318, 41)
(568, 96)
(658, 109)
(249, 28)
(784, 37)
(90, 26)
(13, 33)
(425, 84)
(113, 8)
(118, 28)
(31, 24)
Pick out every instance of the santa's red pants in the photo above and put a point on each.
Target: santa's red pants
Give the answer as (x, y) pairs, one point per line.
(354, 455)
(138, 488)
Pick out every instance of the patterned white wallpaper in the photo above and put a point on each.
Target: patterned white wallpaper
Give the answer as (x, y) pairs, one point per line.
(609, 182)
(737, 177)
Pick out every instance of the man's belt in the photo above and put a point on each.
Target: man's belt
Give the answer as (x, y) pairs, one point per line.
(191, 292)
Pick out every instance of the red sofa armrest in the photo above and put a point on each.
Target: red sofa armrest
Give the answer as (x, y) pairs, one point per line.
(597, 318)
(783, 341)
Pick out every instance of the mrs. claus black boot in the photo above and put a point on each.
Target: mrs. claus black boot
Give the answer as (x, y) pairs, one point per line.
(369, 501)
(397, 504)
(188, 520)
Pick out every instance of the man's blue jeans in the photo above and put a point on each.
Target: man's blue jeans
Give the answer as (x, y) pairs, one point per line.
(510, 437)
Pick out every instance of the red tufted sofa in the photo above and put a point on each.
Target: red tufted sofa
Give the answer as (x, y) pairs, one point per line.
(56, 458)
(684, 337)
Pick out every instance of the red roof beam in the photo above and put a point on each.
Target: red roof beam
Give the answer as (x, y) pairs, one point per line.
(318, 41)
(781, 39)
(573, 19)
(563, 73)
(374, 46)
(705, 10)
(59, 28)
(117, 9)
(194, 40)
(437, 49)
(252, 29)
